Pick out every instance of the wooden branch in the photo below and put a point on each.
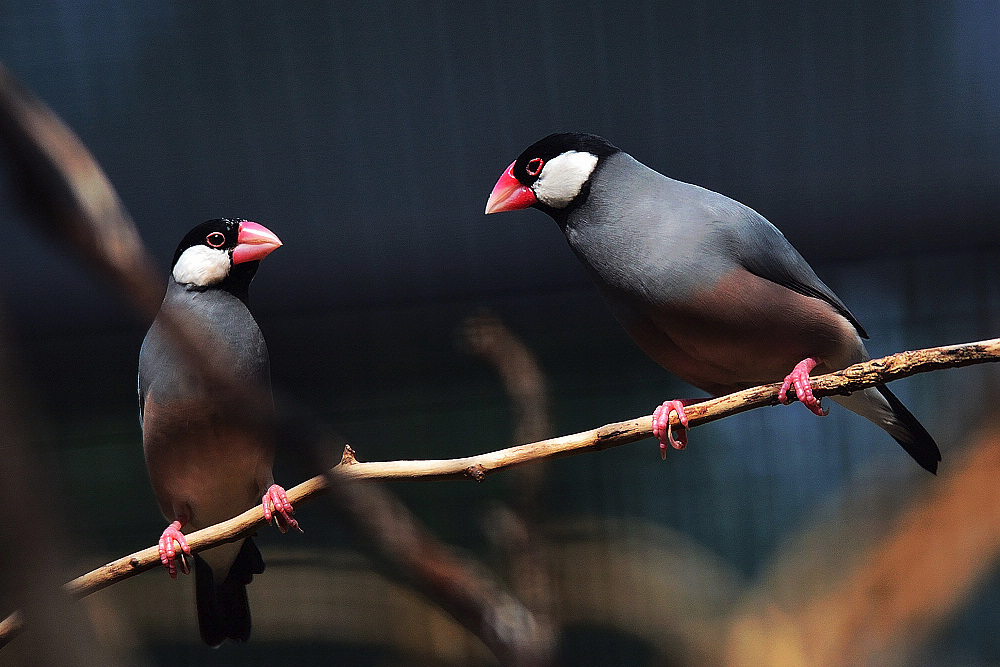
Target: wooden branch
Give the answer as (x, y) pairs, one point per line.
(853, 378)
(512, 526)
(406, 551)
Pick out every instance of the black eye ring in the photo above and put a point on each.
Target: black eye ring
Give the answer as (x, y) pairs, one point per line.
(534, 166)
(215, 239)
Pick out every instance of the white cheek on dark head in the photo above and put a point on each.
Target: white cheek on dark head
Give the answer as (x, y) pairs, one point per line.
(202, 266)
(563, 177)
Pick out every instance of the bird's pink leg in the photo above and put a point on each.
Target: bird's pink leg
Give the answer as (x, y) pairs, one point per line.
(166, 549)
(276, 505)
(662, 428)
(799, 378)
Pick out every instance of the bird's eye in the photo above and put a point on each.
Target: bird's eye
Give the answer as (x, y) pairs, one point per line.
(534, 166)
(215, 239)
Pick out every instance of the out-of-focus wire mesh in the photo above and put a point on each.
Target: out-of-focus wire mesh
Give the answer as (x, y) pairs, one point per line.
(368, 137)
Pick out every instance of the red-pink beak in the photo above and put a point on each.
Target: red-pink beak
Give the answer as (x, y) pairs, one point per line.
(254, 242)
(508, 194)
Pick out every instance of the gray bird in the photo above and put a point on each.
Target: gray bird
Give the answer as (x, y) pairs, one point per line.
(706, 286)
(205, 467)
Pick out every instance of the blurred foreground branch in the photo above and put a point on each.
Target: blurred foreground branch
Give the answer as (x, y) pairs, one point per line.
(853, 378)
(856, 589)
(513, 527)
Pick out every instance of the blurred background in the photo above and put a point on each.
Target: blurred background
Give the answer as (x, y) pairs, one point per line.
(368, 137)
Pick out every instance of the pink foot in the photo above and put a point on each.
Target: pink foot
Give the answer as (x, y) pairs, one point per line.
(662, 428)
(799, 378)
(168, 554)
(276, 505)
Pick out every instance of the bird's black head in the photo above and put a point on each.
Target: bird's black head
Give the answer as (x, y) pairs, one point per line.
(218, 234)
(222, 253)
(530, 164)
(551, 174)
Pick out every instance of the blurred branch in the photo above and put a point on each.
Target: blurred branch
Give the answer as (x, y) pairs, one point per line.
(67, 194)
(952, 528)
(461, 586)
(486, 336)
(515, 531)
(32, 565)
(859, 376)
(881, 603)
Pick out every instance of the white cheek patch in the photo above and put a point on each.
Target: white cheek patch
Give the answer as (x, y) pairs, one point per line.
(202, 266)
(563, 177)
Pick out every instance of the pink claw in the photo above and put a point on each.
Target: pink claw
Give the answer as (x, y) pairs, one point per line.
(276, 505)
(166, 548)
(662, 428)
(799, 378)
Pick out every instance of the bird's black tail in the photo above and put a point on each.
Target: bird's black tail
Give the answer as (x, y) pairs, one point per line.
(223, 609)
(909, 433)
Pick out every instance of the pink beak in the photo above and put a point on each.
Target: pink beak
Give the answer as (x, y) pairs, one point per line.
(255, 242)
(508, 194)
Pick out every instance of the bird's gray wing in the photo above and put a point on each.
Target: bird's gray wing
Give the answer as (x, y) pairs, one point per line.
(144, 380)
(157, 365)
(764, 251)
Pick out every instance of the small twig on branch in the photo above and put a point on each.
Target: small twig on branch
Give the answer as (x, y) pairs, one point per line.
(853, 378)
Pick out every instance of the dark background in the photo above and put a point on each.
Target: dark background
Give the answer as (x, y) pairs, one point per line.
(368, 137)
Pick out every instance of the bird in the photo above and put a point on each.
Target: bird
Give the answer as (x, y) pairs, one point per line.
(205, 463)
(704, 285)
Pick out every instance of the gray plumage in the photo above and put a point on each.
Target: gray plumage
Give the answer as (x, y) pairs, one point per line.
(197, 431)
(205, 464)
(705, 285)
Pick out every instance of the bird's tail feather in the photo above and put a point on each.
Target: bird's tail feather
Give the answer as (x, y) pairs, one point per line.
(910, 433)
(881, 406)
(223, 609)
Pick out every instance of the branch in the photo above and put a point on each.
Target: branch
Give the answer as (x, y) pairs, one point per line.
(485, 336)
(853, 378)
(65, 191)
(514, 529)
(30, 565)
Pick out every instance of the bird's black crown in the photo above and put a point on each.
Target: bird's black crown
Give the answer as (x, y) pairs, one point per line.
(221, 233)
(529, 163)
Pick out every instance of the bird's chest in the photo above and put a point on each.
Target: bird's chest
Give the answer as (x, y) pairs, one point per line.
(202, 459)
(636, 267)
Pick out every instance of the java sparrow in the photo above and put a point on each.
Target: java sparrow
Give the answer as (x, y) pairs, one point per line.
(706, 286)
(205, 467)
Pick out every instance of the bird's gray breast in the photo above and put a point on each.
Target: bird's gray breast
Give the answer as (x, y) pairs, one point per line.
(163, 370)
(648, 239)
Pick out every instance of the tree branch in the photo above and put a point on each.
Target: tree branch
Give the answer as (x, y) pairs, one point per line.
(853, 378)
(513, 527)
